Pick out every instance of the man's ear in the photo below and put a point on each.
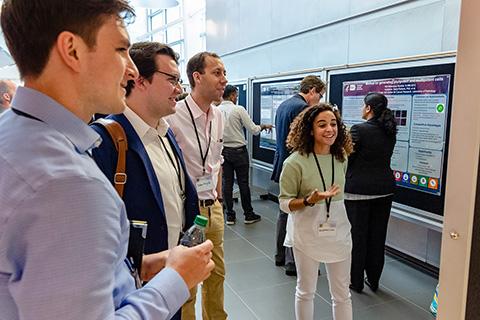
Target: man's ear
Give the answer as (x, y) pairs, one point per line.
(140, 83)
(196, 76)
(7, 97)
(70, 48)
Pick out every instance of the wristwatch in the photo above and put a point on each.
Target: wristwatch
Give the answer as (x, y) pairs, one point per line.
(306, 203)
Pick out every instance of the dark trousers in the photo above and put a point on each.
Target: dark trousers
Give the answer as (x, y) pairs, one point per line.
(283, 253)
(369, 220)
(236, 162)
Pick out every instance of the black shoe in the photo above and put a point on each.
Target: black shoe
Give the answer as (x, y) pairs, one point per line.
(252, 218)
(231, 219)
(356, 289)
(373, 287)
(290, 270)
(279, 263)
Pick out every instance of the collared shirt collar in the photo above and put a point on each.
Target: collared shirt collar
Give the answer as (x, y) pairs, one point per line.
(227, 102)
(301, 97)
(43, 107)
(196, 111)
(142, 128)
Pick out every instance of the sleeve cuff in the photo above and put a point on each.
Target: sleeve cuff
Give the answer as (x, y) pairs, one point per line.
(284, 205)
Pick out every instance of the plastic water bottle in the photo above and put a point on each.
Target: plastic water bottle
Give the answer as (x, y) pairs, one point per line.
(196, 234)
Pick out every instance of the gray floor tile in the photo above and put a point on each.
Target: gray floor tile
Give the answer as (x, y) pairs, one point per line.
(229, 234)
(278, 303)
(408, 283)
(255, 274)
(393, 310)
(265, 243)
(237, 250)
(251, 230)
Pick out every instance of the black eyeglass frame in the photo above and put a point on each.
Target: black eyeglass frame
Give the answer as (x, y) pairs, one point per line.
(174, 79)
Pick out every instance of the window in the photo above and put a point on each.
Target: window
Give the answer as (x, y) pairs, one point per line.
(157, 20)
(175, 33)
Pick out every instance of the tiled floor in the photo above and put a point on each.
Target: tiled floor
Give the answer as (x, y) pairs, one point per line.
(256, 289)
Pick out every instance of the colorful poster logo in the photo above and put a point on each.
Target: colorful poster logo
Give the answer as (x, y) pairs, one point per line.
(440, 108)
(397, 175)
(405, 177)
(414, 179)
(433, 183)
(423, 182)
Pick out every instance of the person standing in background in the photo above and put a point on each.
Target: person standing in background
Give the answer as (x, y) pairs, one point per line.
(311, 192)
(369, 189)
(198, 128)
(312, 89)
(235, 154)
(7, 91)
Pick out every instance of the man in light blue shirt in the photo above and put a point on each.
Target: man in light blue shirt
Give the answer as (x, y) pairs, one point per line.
(63, 228)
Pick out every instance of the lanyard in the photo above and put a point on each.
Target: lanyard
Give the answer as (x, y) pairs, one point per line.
(328, 201)
(204, 158)
(177, 166)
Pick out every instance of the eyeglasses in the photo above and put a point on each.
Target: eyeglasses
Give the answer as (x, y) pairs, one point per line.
(173, 79)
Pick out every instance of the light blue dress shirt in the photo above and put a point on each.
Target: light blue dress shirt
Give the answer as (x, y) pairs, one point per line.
(63, 228)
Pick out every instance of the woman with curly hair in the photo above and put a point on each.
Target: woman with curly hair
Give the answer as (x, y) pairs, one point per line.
(311, 191)
(369, 190)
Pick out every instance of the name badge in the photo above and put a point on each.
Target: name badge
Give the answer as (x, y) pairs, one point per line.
(204, 183)
(327, 229)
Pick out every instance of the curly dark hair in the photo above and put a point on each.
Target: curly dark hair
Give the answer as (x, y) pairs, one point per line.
(300, 136)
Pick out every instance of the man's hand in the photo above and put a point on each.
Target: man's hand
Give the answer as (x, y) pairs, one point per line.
(267, 127)
(193, 264)
(153, 264)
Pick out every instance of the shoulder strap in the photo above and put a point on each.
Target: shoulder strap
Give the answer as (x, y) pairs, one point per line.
(116, 132)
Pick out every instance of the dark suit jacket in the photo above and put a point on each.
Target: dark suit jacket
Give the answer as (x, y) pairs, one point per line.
(142, 194)
(369, 171)
(286, 112)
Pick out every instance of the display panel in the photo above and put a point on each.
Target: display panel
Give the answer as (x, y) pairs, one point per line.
(420, 98)
(267, 96)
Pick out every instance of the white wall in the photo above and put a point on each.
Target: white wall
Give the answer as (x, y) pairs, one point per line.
(270, 36)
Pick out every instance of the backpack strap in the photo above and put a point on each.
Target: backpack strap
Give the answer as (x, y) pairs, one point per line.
(116, 132)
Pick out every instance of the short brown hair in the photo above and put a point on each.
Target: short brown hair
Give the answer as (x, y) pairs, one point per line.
(310, 82)
(143, 55)
(197, 64)
(31, 27)
(300, 136)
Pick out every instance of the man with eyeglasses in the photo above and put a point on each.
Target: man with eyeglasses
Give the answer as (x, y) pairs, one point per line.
(312, 89)
(158, 189)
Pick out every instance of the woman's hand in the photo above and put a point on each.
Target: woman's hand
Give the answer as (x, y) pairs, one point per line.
(316, 195)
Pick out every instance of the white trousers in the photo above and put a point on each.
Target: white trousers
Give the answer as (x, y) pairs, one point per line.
(338, 274)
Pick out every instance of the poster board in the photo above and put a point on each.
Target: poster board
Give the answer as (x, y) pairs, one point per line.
(420, 97)
(268, 94)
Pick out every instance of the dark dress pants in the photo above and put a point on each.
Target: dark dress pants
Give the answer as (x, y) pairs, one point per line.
(369, 220)
(283, 254)
(236, 162)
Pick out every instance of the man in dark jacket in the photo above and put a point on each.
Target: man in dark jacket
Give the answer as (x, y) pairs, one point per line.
(158, 188)
(312, 90)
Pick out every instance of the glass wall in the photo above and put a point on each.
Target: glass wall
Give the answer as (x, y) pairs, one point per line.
(181, 27)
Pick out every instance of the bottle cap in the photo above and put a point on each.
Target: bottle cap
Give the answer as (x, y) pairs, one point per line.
(201, 220)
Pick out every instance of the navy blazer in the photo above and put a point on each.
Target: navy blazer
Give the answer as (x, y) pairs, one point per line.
(368, 170)
(286, 112)
(142, 194)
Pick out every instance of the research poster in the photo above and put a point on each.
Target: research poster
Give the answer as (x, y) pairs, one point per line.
(420, 107)
(271, 96)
